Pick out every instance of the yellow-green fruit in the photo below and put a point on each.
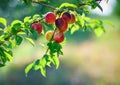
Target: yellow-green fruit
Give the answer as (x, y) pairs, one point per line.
(49, 35)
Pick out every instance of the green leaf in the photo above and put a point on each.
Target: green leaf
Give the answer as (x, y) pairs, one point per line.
(26, 19)
(2, 38)
(109, 22)
(98, 5)
(34, 34)
(28, 68)
(99, 31)
(16, 22)
(68, 5)
(21, 33)
(2, 55)
(36, 65)
(55, 61)
(19, 40)
(3, 21)
(8, 56)
(42, 66)
(43, 71)
(14, 31)
(48, 60)
(43, 62)
(36, 16)
(81, 20)
(12, 43)
(30, 41)
(74, 28)
(16, 26)
(3, 58)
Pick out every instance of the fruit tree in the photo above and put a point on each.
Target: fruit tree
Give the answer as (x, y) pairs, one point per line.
(67, 16)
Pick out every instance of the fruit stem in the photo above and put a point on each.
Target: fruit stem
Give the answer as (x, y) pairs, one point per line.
(38, 20)
(53, 8)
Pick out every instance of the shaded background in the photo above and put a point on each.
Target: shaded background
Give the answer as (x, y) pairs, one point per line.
(87, 59)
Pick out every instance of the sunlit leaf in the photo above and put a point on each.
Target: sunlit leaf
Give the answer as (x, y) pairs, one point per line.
(43, 66)
(21, 33)
(26, 19)
(28, 68)
(16, 22)
(74, 28)
(36, 16)
(99, 31)
(43, 62)
(43, 71)
(109, 22)
(68, 5)
(30, 40)
(36, 65)
(2, 56)
(55, 61)
(12, 43)
(2, 38)
(9, 57)
(81, 20)
(19, 40)
(3, 21)
(48, 60)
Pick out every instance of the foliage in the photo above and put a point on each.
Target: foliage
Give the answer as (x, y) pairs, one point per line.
(18, 31)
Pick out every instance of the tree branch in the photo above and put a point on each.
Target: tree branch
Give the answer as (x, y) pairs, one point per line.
(45, 5)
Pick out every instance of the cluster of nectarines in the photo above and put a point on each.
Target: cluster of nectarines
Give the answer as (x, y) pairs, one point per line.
(61, 24)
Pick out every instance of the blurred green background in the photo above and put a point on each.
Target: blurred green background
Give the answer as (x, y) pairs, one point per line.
(87, 59)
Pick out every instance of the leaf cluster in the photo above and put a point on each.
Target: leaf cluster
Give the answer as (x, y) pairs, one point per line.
(48, 58)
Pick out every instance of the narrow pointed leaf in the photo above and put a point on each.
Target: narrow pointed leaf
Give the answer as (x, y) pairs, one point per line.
(3, 21)
(8, 56)
(30, 41)
(28, 68)
(56, 61)
(43, 71)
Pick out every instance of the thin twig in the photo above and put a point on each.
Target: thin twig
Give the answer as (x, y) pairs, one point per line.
(82, 4)
(45, 5)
